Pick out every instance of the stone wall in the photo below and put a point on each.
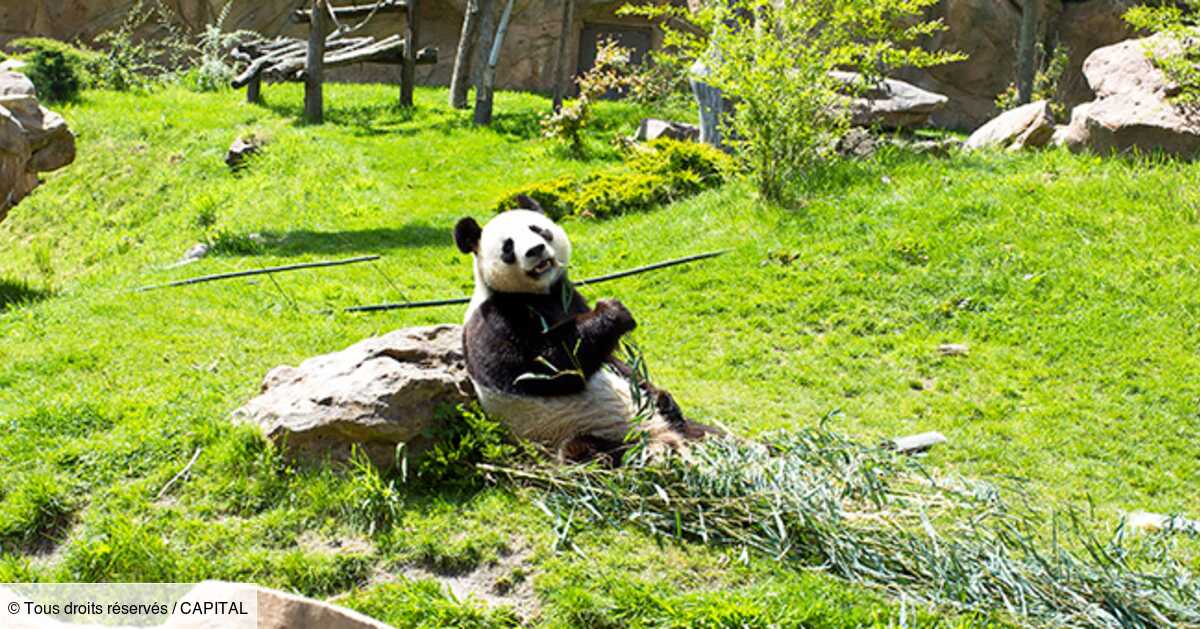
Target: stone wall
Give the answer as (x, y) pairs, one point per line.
(527, 59)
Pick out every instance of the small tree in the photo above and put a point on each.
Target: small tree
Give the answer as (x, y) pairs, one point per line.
(611, 71)
(1181, 21)
(772, 59)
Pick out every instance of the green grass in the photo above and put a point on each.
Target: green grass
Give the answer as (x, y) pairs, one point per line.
(1073, 279)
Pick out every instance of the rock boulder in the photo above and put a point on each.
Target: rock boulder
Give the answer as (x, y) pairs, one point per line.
(653, 128)
(33, 139)
(1134, 110)
(891, 104)
(376, 394)
(1027, 126)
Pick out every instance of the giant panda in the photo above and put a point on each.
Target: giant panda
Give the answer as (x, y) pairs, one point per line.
(541, 359)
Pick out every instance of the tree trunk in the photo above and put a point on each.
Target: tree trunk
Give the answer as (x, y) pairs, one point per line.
(483, 39)
(254, 90)
(459, 83)
(314, 102)
(408, 70)
(487, 82)
(1027, 50)
(560, 60)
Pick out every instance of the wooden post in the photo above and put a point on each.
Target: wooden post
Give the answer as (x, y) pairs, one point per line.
(1027, 50)
(487, 83)
(459, 83)
(254, 90)
(314, 101)
(408, 70)
(560, 61)
(483, 40)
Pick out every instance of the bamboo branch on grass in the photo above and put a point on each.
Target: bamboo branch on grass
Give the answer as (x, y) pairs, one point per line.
(274, 269)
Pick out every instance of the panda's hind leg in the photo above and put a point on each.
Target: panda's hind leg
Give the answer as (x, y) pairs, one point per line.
(586, 448)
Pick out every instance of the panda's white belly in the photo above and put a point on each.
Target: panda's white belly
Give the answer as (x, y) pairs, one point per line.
(604, 409)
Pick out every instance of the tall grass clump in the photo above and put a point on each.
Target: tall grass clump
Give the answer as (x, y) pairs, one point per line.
(813, 498)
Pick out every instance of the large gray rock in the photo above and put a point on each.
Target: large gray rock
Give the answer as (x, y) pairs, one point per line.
(1027, 126)
(376, 394)
(653, 129)
(1074, 135)
(1134, 110)
(33, 139)
(890, 103)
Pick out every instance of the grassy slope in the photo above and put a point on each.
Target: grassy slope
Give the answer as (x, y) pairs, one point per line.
(1072, 279)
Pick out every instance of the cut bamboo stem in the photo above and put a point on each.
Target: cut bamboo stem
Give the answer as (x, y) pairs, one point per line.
(591, 280)
(274, 269)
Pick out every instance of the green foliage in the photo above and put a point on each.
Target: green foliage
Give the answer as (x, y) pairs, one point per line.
(774, 61)
(376, 502)
(1179, 21)
(467, 437)
(58, 69)
(212, 70)
(663, 171)
(611, 71)
(54, 77)
(424, 604)
(147, 49)
(1051, 70)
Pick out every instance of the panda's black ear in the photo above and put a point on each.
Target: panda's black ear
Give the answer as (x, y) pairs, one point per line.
(467, 234)
(527, 202)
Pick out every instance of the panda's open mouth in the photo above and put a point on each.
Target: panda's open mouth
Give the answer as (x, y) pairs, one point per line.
(542, 268)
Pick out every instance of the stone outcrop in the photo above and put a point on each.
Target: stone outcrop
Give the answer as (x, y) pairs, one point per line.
(1133, 110)
(377, 393)
(1027, 126)
(653, 129)
(264, 608)
(33, 140)
(891, 103)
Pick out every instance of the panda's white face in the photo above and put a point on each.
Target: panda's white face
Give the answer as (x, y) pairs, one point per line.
(521, 251)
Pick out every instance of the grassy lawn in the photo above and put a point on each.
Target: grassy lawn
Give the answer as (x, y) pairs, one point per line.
(1073, 280)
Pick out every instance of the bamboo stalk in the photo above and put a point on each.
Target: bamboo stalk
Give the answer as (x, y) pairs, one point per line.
(274, 269)
(591, 280)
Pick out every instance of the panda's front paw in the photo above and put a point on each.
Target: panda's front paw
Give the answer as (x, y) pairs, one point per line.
(617, 313)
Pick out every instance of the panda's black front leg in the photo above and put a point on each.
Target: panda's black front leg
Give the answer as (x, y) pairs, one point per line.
(600, 330)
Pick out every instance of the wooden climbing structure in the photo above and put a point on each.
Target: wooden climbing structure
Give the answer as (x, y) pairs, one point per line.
(330, 44)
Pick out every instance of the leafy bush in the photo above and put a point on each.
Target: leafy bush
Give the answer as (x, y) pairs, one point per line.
(213, 70)
(1181, 21)
(467, 437)
(773, 59)
(130, 61)
(58, 69)
(1045, 83)
(667, 170)
(611, 71)
(54, 77)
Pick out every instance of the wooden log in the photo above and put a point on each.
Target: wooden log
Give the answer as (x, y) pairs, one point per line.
(564, 36)
(314, 101)
(487, 84)
(294, 68)
(408, 70)
(358, 11)
(254, 90)
(462, 63)
(483, 40)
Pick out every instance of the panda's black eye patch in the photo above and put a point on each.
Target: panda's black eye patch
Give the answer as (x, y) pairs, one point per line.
(506, 252)
(544, 233)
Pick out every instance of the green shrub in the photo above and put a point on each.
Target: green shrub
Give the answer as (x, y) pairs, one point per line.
(668, 171)
(58, 69)
(466, 437)
(555, 196)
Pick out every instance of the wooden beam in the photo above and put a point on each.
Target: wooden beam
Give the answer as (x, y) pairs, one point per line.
(487, 84)
(254, 89)
(314, 100)
(358, 11)
(459, 83)
(564, 36)
(408, 70)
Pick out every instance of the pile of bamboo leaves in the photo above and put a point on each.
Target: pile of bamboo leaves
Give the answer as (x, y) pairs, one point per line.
(876, 518)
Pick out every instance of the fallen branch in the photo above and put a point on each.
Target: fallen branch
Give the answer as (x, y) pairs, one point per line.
(274, 269)
(591, 280)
